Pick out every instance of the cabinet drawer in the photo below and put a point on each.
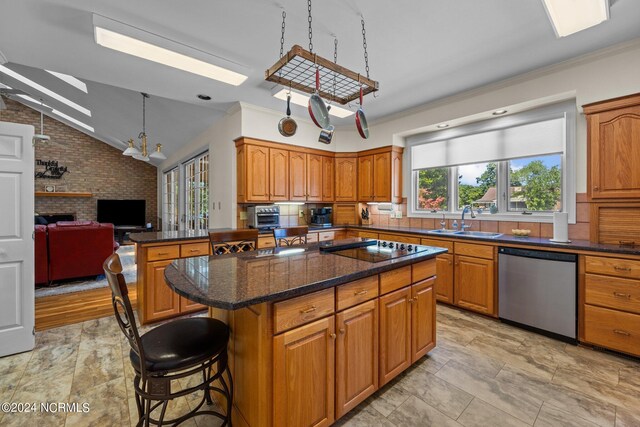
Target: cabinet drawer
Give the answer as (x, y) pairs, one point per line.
(478, 251)
(353, 293)
(423, 270)
(163, 252)
(400, 238)
(297, 311)
(613, 292)
(367, 235)
(312, 237)
(194, 249)
(326, 235)
(395, 279)
(612, 329)
(266, 242)
(438, 244)
(612, 266)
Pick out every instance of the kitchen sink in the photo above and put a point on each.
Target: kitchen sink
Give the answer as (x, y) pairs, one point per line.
(442, 231)
(485, 234)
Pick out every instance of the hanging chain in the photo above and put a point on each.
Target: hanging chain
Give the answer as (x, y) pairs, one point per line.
(310, 30)
(335, 61)
(364, 45)
(284, 15)
(144, 115)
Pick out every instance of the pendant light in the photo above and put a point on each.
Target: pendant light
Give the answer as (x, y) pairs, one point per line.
(143, 154)
(131, 150)
(158, 154)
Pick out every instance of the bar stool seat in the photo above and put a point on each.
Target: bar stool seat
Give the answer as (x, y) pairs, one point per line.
(181, 344)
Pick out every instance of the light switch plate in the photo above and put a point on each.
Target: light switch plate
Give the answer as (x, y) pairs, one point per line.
(301, 214)
(243, 215)
(398, 214)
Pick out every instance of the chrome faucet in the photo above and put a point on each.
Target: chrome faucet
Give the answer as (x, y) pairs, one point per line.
(443, 223)
(464, 210)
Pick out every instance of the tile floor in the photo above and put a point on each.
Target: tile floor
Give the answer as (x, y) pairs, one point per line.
(482, 373)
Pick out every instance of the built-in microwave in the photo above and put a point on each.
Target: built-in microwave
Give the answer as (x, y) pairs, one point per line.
(263, 217)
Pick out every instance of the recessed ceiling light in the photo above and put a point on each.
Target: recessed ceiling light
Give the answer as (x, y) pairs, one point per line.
(303, 100)
(204, 97)
(71, 80)
(111, 34)
(499, 112)
(442, 126)
(569, 17)
(44, 90)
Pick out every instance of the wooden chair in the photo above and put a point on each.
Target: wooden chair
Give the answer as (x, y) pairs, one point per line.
(233, 241)
(174, 350)
(290, 236)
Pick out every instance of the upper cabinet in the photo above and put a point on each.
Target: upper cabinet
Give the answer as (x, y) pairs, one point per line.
(613, 133)
(380, 175)
(346, 188)
(273, 172)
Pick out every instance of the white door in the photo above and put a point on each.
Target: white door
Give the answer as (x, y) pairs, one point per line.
(16, 239)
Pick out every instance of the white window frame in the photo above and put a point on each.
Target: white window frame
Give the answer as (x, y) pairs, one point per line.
(566, 109)
(169, 221)
(203, 185)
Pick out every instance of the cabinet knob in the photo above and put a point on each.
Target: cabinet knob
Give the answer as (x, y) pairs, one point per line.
(596, 188)
(333, 336)
(341, 331)
(411, 300)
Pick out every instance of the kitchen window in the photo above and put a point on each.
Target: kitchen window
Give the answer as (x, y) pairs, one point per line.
(502, 167)
(170, 200)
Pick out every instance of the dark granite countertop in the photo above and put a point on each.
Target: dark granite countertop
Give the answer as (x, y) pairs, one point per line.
(239, 280)
(576, 245)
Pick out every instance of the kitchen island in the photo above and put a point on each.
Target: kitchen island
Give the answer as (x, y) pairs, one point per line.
(313, 333)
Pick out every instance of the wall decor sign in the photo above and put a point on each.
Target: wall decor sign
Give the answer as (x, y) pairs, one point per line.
(52, 170)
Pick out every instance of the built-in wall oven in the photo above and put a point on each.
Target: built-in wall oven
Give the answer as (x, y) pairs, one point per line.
(265, 217)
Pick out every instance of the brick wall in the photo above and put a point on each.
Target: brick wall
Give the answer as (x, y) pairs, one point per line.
(94, 167)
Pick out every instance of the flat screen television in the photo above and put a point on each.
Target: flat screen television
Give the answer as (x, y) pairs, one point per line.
(122, 212)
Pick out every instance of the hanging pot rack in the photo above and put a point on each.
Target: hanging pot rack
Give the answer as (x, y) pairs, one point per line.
(297, 70)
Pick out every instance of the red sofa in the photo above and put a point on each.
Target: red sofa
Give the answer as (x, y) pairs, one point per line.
(42, 255)
(78, 248)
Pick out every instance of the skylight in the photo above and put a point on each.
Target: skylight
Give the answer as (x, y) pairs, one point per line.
(78, 84)
(9, 72)
(58, 113)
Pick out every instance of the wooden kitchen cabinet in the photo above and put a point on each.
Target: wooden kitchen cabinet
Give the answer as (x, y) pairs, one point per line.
(278, 174)
(365, 178)
(395, 334)
(328, 179)
(356, 355)
(474, 286)
(161, 301)
(346, 179)
(297, 176)
(314, 178)
(423, 318)
(444, 278)
(257, 174)
(303, 375)
(382, 177)
(613, 148)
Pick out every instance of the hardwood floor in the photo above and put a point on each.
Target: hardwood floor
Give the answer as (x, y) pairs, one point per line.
(60, 310)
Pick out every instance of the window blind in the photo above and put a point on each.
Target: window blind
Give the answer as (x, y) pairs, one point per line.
(532, 139)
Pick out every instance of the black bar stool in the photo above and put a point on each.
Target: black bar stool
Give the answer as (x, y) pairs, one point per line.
(290, 236)
(171, 351)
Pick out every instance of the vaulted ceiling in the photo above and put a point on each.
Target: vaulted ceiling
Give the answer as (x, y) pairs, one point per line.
(419, 51)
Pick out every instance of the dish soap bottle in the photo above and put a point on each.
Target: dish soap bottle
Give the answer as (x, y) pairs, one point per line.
(455, 224)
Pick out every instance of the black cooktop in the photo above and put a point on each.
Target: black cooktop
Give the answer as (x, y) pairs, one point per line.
(372, 250)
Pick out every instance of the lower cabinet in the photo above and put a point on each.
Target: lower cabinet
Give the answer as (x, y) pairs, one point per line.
(356, 355)
(395, 334)
(161, 301)
(444, 278)
(423, 318)
(474, 284)
(303, 375)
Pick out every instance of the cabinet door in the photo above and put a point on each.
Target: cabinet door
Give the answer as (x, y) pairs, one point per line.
(328, 179)
(303, 376)
(314, 178)
(423, 318)
(396, 177)
(278, 174)
(444, 278)
(395, 334)
(356, 355)
(614, 148)
(161, 301)
(241, 174)
(474, 285)
(346, 179)
(257, 173)
(188, 306)
(297, 176)
(382, 177)
(365, 179)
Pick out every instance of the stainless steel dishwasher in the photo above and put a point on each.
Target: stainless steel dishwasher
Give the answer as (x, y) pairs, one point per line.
(537, 290)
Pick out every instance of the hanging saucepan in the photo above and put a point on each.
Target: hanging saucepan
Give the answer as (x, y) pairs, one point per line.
(326, 134)
(317, 109)
(361, 120)
(287, 126)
